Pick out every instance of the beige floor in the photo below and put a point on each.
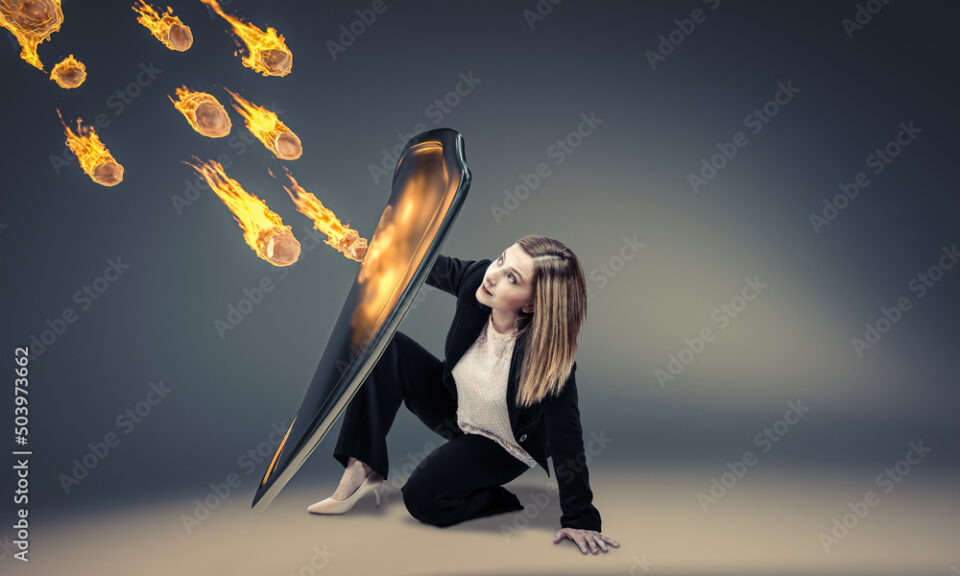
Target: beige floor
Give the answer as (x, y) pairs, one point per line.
(766, 523)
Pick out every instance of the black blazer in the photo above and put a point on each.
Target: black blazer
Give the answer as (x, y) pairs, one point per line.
(548, 428)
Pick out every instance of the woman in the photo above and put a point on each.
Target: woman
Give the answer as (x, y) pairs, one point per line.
(502, 410)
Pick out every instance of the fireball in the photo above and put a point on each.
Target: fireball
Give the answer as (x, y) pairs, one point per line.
(69, 72)
(263, 230)
(94, 157)
(344, 239)
(267, 53)
(166, 28)
(268, 129)
(203, 111)
(31, 22)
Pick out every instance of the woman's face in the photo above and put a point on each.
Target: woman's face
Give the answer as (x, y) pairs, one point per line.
(508, 281)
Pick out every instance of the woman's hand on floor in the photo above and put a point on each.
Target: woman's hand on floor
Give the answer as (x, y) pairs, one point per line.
(586, 539)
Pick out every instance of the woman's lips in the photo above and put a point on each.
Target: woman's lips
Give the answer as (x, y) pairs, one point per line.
(484, 288)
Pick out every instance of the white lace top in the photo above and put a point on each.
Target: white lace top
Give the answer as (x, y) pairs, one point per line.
(481, 379)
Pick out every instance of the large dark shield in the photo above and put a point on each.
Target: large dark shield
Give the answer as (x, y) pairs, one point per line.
(430, 184)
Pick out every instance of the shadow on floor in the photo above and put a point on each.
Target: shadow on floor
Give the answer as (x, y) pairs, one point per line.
(545, 518)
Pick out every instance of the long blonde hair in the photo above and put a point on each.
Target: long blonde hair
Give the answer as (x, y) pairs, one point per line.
(550, 333)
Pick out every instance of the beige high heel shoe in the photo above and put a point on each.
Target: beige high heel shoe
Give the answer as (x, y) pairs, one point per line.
(333, 506)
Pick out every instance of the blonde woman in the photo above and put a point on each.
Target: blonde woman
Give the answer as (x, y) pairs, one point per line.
(505, 398)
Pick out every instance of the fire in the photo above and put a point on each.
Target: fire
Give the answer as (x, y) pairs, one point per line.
(69, 72)
(203, 111)
(267, 53)
(343, 238)
(166, 28)
(31, 22)
(94, 157)
(263, 230)
(267, 128)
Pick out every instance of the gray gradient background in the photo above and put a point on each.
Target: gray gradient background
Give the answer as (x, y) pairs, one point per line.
(627, 179)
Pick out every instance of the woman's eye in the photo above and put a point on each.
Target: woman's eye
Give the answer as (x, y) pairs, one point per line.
(512, 279)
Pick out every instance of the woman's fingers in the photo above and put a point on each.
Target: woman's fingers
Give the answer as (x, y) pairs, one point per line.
(590, 542)
(586, 540)
(611, 541)
(575, 537)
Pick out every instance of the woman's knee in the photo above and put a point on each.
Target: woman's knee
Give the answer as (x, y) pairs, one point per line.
(421, 502)
(418, 504)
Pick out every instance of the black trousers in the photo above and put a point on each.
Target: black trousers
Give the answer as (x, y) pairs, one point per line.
(460, 480)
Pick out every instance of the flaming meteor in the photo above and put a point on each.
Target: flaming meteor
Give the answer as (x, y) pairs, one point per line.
(69, 72)
(263, 230)
(94, 157)
(268, 129)
(343, 238)
(267, 53)
(166, 28)
(203, 111)
(31, 22)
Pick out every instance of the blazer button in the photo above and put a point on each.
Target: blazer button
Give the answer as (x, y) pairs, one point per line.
(524, 437)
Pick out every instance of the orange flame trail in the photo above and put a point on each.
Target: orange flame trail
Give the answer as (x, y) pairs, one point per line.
(94, 157)
(166, 28)
(267, 128)
(267, 53)
(69, 72)
(203, 111)
(31, 22)
(343, 238)
(263, 230)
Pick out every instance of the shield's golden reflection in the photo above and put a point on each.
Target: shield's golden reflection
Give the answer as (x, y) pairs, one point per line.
(397, 248)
